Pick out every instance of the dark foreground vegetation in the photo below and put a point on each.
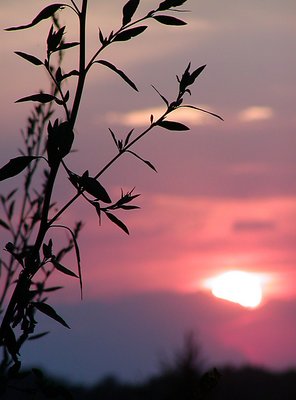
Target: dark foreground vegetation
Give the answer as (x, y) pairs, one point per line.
(185, 383)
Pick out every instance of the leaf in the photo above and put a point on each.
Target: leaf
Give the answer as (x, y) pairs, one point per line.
(58, 75)
(119, 72)
(47, 249)
(11, 194)
(197, 72)
(168, 20)
(15, 166)
(65, 138)
(4, 224)
(63, 269)
(163, 98)
(93, 187)
(74, 72)
(202, 110)
(165, 5)
(38, 335)
(53, 288)
(10, 342)
(47, 12)
(117, 222)
(129, 33)
(101, 37)
(128, 11)
(130, 207)
(41, 97)
(127, 198)
(49, 311)
(173, 126)
(60, 140)
(32, 59)
(150, 165)
(65, 46)
(77, 252)
(54, 39)
(113, 137)
(128, 137)
(11, 209)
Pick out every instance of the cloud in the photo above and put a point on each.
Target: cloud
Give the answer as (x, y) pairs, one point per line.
(256, 113)
(257, 168)
(141, 117)
(253, 225)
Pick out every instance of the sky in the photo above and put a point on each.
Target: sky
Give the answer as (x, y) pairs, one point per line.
(224, 196)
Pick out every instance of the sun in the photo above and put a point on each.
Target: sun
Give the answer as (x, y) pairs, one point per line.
(240, 287)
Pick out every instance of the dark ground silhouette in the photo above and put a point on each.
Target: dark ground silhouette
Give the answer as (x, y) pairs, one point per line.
(184, 383)
(182, 378)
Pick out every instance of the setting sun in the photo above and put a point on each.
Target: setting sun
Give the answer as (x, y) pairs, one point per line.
(240, 287)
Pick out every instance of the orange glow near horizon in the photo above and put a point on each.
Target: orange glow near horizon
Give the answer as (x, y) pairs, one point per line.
(244, 288)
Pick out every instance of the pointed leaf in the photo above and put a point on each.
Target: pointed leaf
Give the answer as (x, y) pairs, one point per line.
(113, 137)
(119, 72)
(150, 165)
(98, 210)
(11, 209)
(173, 126)
(163, 98)
(77, 252)
(65, 46)
(93, 187)
(53, 288)
(58, 75)
(128, 137)
(47, 12)
(129, 33)
(11, 194)
(168, 20)
(202, 110)
(197, 72)
(47, 249)
(11, 343)
(41, 97)
(130, 207)
(15, 166)
(32, 59)
(117, 222)
(38, 335)
(74, 72)
(165, 5)
(4, 224)
(60, 140)
(50, 312)
(63, 269)
(128, 11)
(101, 37)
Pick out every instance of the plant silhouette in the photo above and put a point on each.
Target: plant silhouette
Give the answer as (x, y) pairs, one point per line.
(29, 251)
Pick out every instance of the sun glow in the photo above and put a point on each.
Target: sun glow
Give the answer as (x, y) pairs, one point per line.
(240, 287)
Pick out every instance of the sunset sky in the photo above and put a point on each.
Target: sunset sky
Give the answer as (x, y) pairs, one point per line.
(224, 197)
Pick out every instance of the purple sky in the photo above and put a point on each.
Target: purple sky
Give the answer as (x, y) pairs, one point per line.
(225, 193)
